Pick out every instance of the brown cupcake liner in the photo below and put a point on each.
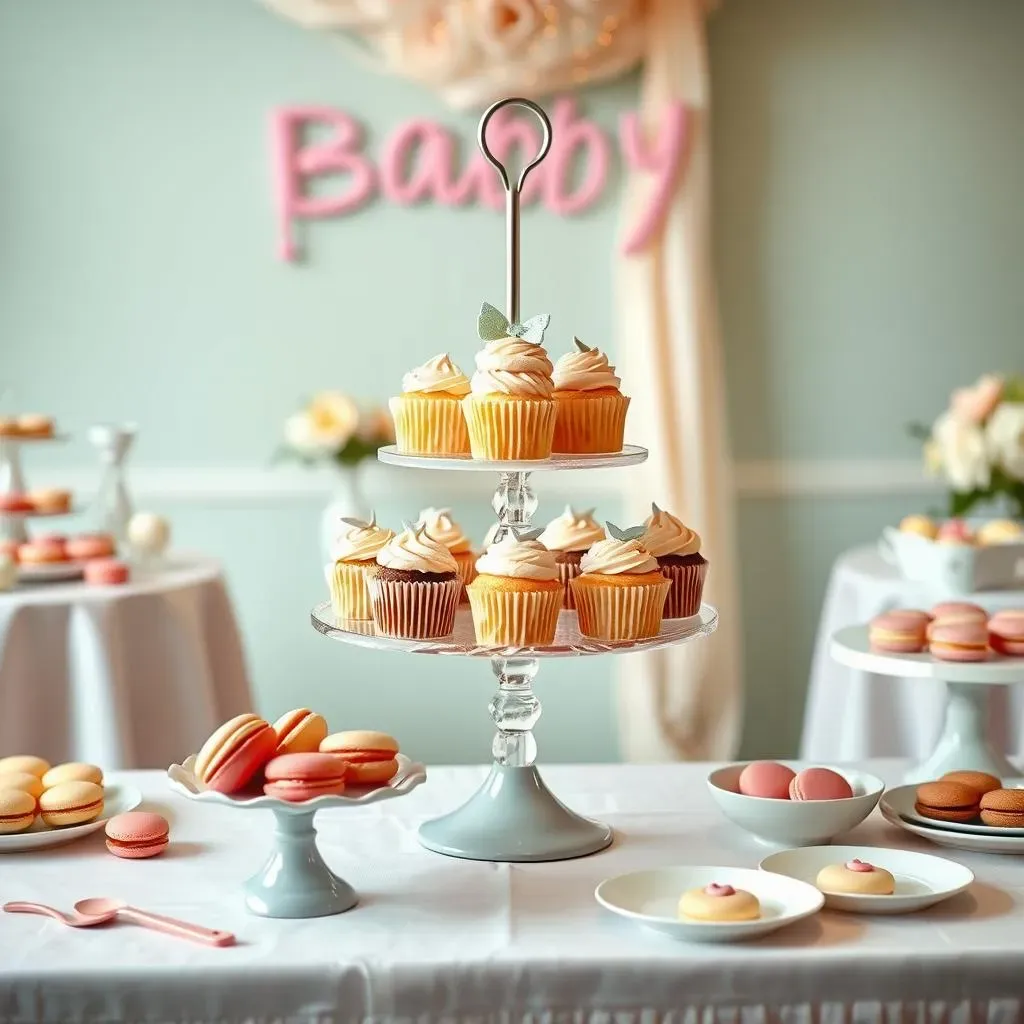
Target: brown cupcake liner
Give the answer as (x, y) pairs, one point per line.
(416, 611)
(350, 595)
(516, 428)
(466, 561)
(429, 426)
(515, 618)
(615, 613)
(567, 572)
(590, 425)
(687, 587)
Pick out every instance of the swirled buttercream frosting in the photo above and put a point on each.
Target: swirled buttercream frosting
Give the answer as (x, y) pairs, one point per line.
(664, 534)
(572, 531)
(439, 374)
(611, 557)
(412, 550)
(523, 559)
(438, 524)
(512, 366)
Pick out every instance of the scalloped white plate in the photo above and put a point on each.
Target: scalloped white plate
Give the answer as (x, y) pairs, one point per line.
(410, 774)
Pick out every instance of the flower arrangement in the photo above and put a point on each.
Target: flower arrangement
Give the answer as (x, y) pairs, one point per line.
(977, 444)
(333, 428)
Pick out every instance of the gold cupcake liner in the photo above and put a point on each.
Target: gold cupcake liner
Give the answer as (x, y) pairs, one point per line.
(590, 425)
(414, 610)
(350, 596)
(687, 587)
(514, 428)
(609, 612)
(429, 426)
(466, 561)
(567, 572)
(515, 618)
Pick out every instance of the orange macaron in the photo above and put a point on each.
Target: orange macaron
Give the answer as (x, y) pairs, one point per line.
(1003, 808)
(947, 801)
(233, 755)
(981, 782)
(370, 755)
(299, 731)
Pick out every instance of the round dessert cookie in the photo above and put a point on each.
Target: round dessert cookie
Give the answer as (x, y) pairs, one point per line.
(766, 779)
(73, 771)
(1003, 808)
(34, 424)
(901, 631)
(819, 784)
(17, 810)
(300, 777)
(1006, 632)
(50, 500)
(856, 876)
(42, 552)
(370, 755)
(71, 803)
(106, 572)
(90, 545)
(8, 426)
(15, 502)
(961, 611)
(923, 526)
(1000, 531)
(954, 531)
(958, 641)
(299, 731)
(24, 763)
(980, 782)
(717, 902)
(137, 835)
(234, 753)
(947, 801)
(27, 783)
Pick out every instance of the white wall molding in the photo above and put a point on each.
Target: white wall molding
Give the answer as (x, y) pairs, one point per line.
(765, 479)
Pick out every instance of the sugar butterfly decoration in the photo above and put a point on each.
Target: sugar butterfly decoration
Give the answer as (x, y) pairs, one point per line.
(633, 533)
(493, 325)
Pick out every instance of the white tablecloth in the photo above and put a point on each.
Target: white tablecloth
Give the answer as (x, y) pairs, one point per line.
(126, 676)
(441, 940)
(853, 715)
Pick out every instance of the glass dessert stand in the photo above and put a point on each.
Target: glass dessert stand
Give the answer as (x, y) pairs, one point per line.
(514, 816)
(295, 881)
(12, 481)
(962, 744)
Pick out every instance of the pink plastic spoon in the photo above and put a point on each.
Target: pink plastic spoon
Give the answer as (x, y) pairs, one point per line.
(101, 908)
(76, 920)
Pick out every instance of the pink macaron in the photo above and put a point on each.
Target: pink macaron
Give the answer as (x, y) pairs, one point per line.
(955, 531)
(90, 545)
(15, 501)
(105, 572)
(1006, 632)
(819, 784)
(767, 779)
(235, 753)
(960, 610)
(298, 777)
(954, 640)
(137, 835)
(899, 632)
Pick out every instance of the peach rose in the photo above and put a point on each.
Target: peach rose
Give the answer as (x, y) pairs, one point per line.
(975, 404)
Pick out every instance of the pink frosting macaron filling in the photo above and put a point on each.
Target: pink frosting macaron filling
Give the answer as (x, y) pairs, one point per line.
(715, 889)
(859, 865)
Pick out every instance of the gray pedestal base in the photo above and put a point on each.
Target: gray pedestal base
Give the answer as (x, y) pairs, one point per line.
(514, 817)
(295, 881)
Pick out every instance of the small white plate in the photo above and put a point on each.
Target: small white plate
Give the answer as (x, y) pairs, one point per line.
(651, 899)
(50, 572)
(901, 802)
(117, 798)
(955, 840)
(921, 879)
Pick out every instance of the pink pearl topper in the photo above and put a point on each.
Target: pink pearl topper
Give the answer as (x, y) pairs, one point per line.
(714, 889)
(859, 865)
(418, 162)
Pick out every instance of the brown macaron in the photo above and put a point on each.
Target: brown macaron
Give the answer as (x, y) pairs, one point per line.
(980, 781)
(947, 801)
(1003, 808)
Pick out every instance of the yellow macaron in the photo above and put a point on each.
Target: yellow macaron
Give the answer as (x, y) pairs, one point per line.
(17, 810)
(71, 803)
(27, 783)
(73, 771)
(28, 763)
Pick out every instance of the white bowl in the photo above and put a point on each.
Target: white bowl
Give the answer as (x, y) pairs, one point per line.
(922, 879)
(795, 822)
(651, 899)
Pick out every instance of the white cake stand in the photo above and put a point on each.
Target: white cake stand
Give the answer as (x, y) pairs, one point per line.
(962, 744)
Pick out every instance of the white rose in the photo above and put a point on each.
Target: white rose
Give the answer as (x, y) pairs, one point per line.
(1005, 436)
(962, 449)
(324, 427)
(302, 436)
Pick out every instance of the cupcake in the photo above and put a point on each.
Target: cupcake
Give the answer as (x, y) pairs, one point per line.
(591, 410)
(621, 591)
(439, 525)
(510, 412)
(414, 587)
(353, 554)
(428, 414)
(677, 549)
(569, 536)
(517, 595)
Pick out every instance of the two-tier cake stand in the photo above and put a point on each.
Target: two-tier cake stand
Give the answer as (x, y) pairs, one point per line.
(514, 816)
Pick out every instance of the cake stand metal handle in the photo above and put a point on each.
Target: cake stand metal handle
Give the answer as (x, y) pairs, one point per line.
(513, 191)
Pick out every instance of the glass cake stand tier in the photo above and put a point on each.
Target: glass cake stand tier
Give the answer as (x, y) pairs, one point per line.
(631, 455)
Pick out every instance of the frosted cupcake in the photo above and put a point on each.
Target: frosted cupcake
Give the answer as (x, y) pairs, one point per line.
(414, 587)
(620, 592)
(568, 537)
(353, 554)
(510, 412)
(677, 549)
(428, 414)
(517, 595)
(439, 525)
(591, 416)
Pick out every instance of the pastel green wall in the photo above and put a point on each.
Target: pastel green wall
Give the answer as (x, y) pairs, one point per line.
(869, 239)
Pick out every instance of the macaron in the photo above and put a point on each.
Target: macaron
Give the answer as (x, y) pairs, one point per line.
(954, 531)
(105, 572)
(958, 641)
(234, 754)
(24, 781)
(34, 424)
(819, 784)
(73, 771)
(1006, 632)
(901, 631)
(50, 500)
(90, 545)
(980, 782)
(298, 777)
(14, 501)
(136, 835)
(947, 801)
(24, 763)
(299, 731)
(41, 552)
(370, 755)
(71, 803)
(767, 779)
(960, 610)
(1003, 808)
(17, 810)
(1000, 531)
(923, 526)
